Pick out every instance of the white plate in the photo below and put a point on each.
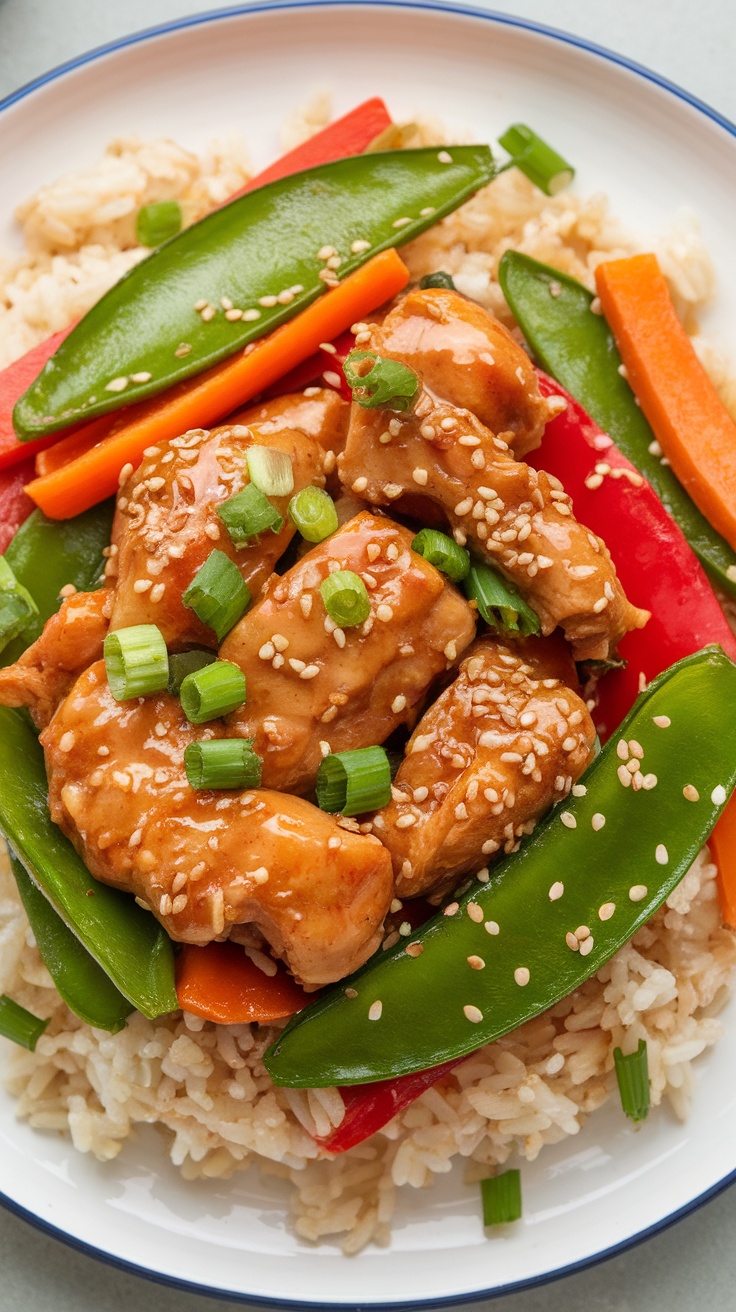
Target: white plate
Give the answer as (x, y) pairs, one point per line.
(652, 149)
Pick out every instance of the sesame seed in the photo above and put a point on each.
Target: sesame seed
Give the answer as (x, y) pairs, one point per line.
(142, 377)
(233, 315)
(649, 782)
(277, 661)
(267, 302)
(637, 892)
(691, 793)
(661, 721)
(636, 750)
(208, 313)
(623, 776)
(398, 704)
(402, 222)
(165, 905)
(360, 484)
(414, 949)
(475, 912)
(259, 876)
(582, 932)
(473, 1014)
(406, 821)
(598, 821)
(569, 744)
(212, 531)
(606, 910)
(661, 855)
(478, 460)
(67, 741)
(492, 927)
(266, 652)
(116, 385)
(450, 651)
(375, 1011)
(384, 613)
(357, 247)
(451, 909)
(158, 591)
(444, 157)
(297, 665)
(572, 942)
(579, 790)
(556, 891)
(522, 976)
(718, 796)
(586, 947)
(420, 476)
(310, 672)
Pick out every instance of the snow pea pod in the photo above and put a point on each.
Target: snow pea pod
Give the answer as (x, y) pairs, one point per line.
(267, 254)
(83, 985)
(577, 347)
(553, 913)
(130, 946)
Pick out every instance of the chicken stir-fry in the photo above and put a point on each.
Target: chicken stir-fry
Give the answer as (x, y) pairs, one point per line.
(520, 519)
(71, 640)
(205, 864)
(498, 747)
(314, 687)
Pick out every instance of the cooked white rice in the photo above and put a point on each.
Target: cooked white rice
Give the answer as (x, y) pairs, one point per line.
(205, 1085)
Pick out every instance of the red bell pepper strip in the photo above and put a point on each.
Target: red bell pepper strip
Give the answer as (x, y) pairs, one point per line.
(15, 506)
(348, 135)
(368, 1107)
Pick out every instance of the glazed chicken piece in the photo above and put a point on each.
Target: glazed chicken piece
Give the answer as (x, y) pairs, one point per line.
(498, 747)
(71, 640)
(166, 523)
(318, 412)
(521, 520)
(207, 863)
(314, 687)
(467, 359)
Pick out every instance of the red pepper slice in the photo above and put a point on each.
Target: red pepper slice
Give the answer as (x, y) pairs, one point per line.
(15, 506)
(14, 380)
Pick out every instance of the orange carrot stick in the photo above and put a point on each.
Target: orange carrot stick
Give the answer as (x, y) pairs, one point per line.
(220, 983)
(722, 844)
(74, 444)
(690, 422)
(210, 396)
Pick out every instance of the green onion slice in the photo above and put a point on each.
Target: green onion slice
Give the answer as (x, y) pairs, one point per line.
(157, 222)
(270, 470)
(218, 594)
(438, 279)
(346, 598)
(632, 1073)
(377, 381)
(19, 1025)
(186, 662)
(17, 607)
(136, 661)
(442, 552)
(212, 691)
(313, 512)
(499, 604)
(501, 1196)
(223, 763)
(249, 513)
(536, 159)
(354, 782)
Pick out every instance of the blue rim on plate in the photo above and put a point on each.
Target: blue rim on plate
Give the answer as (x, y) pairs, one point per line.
(566, 38)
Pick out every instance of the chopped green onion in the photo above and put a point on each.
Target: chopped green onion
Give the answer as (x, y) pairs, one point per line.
(632, 1073)
(270, 470)
(157, 222)
(438, 279)
(383, 382)
(213, 691)
(218, 594)
(442, 552)
(249, 513)
(136, 661)
(354, 782)
(501, 1196)
(19, 1025)
(346, 598)
(313, 512)
(536, 160)
(184, 663)
(223, 763)
(17, 607)
(499, 604)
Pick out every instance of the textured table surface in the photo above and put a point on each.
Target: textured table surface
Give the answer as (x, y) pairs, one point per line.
(693, 1263)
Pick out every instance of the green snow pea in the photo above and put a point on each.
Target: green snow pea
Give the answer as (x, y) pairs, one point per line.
(83, 985)
(130, 946)
(605, 861)
(263, 254)
(46, 554)
(577, 348)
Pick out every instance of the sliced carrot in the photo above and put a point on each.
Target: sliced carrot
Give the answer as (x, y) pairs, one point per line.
(690, 422)
(210, 396)
(722, 843)
(220, 983)
(74, 443)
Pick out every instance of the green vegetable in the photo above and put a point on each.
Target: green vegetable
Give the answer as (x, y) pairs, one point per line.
(249, 513)
(83, 985)
(313, 512)
(375, 381)
(438, 279)
(499, 603)
(130, 946)
(609, 879)
(262, 254)
(346, 598)
(46, 554)
(271, 471)
(442, 552)
(136, 661)
(632, 1074)
(17, 607)
(354, 782)
(213, 691)
(158, 222)
(218, 594)
(501, 1196)
(577, 347)
(536, 160)
(186, 662)
(19, 1025)
(223, 763)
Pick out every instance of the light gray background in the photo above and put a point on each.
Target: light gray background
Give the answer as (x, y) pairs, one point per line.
(693, 42)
